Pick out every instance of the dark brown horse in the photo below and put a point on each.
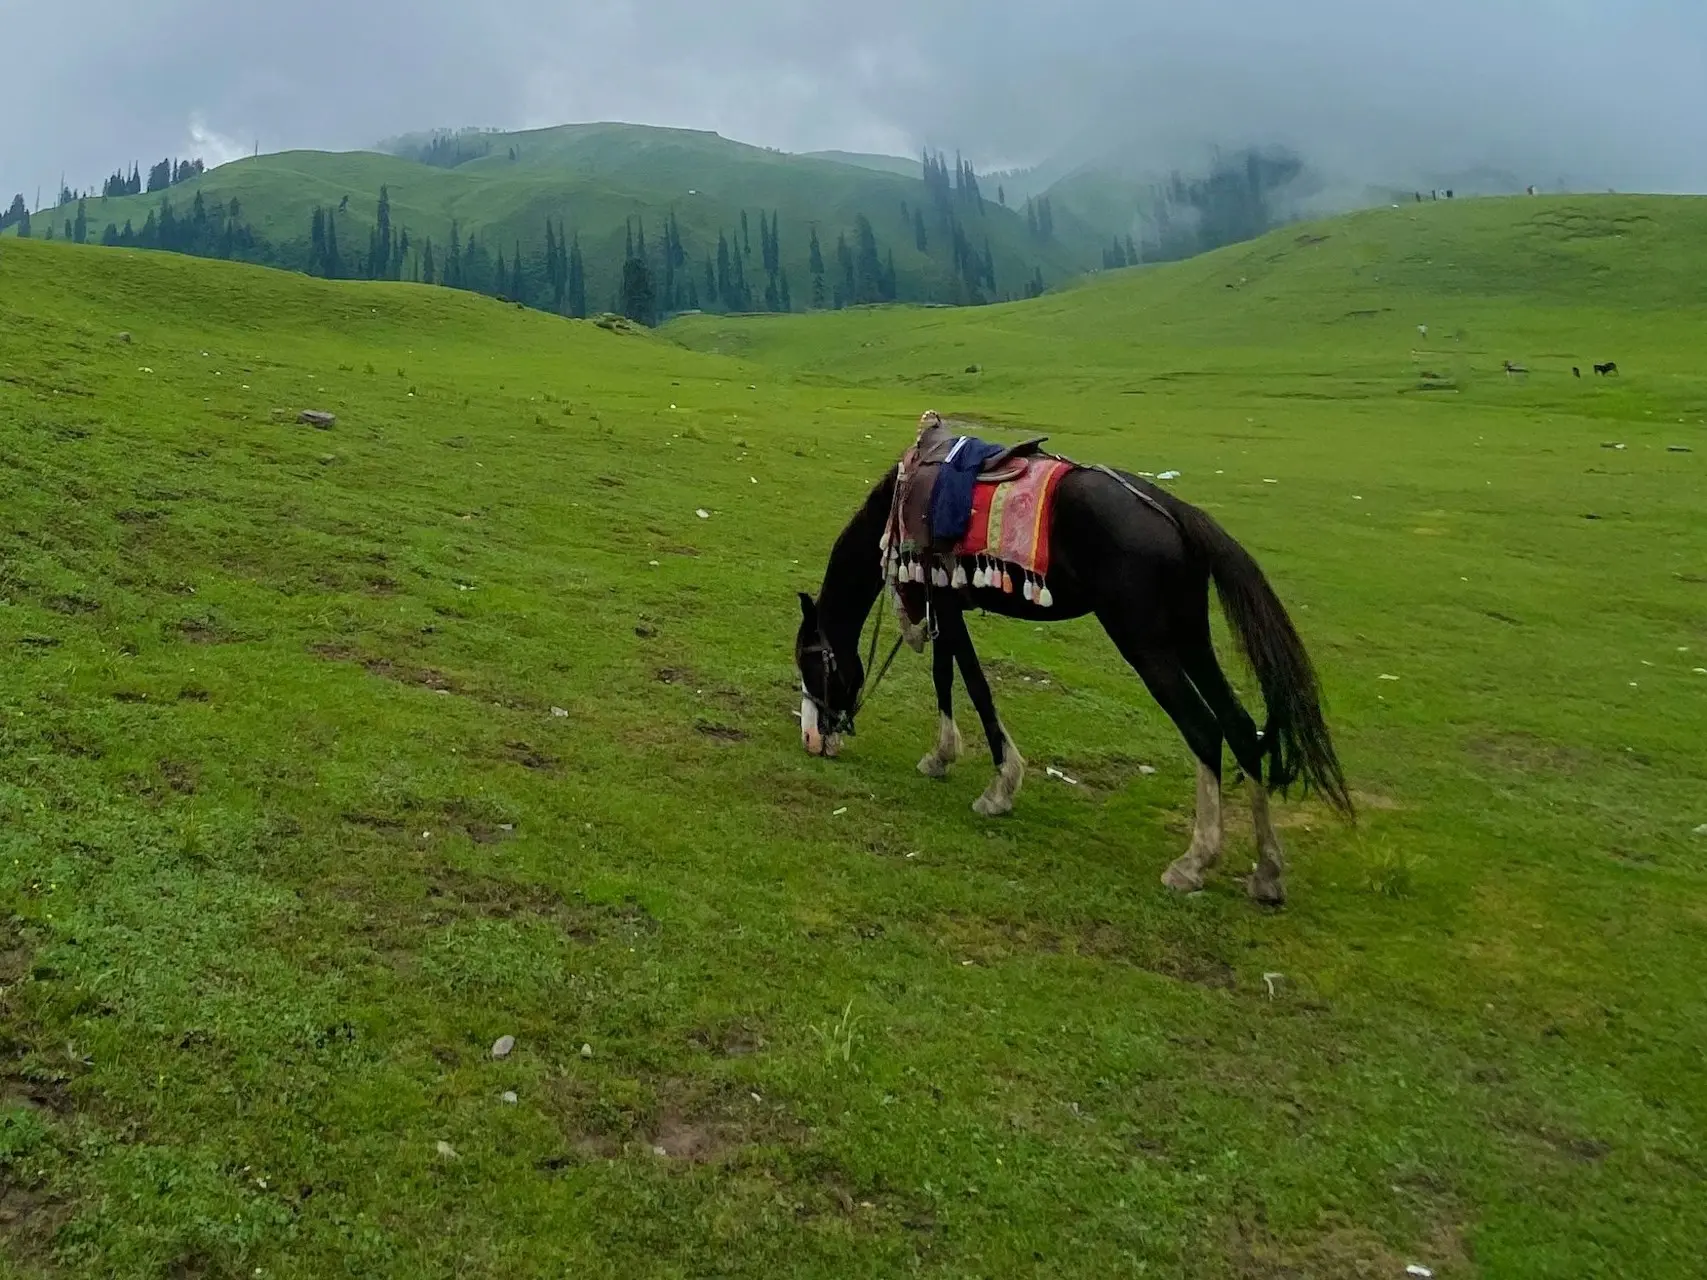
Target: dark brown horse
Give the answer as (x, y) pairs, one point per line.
(1141, 560)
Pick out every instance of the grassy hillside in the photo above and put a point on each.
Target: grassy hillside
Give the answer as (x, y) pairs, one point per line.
(594, 178)
(1546, 282)
(328, 758)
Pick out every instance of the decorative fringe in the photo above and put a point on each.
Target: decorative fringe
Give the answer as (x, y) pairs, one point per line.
(1007, 583)
(1026, 589)
(1044, 599)
(958, 581)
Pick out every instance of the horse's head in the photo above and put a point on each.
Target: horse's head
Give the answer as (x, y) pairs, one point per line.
(829, 684)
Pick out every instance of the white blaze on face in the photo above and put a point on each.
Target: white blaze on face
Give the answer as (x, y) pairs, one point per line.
(809, 726)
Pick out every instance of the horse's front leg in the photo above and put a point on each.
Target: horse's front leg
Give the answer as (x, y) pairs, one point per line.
(998, 797)
(947, 749)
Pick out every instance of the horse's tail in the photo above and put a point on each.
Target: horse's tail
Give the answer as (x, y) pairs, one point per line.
(1295, 739)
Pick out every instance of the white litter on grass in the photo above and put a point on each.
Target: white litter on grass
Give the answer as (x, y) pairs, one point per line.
(1417, 1269)
(502, 1047)
(1168, 475)
(586, 1051)
(558, 713)
(653, 563)
(1701, 830)
(753, 479)
(839, 812)
(1266, 480)
(1053, 772)
(703, 514)
(1148, 770)
(1269, 979)
(1701, 671)
(1387, 677)
(509, 1096)
(445, 1150)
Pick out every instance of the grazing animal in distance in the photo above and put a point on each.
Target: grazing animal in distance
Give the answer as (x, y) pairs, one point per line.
(1511, 368)
(1576, 372)
(1121, 549)
(1611, 366)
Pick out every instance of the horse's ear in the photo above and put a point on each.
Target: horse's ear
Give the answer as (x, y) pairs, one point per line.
(808, 610)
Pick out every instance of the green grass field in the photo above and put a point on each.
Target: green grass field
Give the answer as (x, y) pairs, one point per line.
(329, 757)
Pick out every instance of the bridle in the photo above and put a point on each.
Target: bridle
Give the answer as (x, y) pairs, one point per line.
(842, 722)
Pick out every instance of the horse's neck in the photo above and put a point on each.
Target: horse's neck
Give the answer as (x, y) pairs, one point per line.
(854, 578)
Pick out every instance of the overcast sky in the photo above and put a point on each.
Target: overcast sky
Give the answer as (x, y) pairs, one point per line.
(1608, 91)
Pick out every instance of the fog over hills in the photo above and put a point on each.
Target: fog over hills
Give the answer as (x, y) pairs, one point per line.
(1580, 93)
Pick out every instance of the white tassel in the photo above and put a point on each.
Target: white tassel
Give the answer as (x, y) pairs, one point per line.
(1044, 599)
(1027, 590)
(919, 572)
(958, 581)
(979, 580)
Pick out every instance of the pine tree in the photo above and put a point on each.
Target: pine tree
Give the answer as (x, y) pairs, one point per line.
(427, 266)
(1001, 195)
(746, 240)
(712, 295)
(815, 264)
(379, 257)
(920, 240)
(24, 225)
(577, 280)
(1131, 253)
(867, 281)
(453, 259)
(80, 232)
(638, 301)
(787, 302)
(316, 241)
(725, 281)
(517, 284)
(334, 265)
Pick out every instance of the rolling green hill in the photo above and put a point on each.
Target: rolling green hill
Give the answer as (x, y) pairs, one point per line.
(598, 179)
(328, 758)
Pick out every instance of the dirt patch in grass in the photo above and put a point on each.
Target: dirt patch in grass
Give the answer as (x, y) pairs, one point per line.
(736, 1040)
(180, 776)
(202, 629)
(1528, 753)
(675, 675)
(1341, 1252)
(529, 757)
(71, 605)
(991, 941)
(686, 1119)
(29, 1220)
(453, 893)
(719, 732)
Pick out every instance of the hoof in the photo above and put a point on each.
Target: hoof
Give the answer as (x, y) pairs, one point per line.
(1266, 888)
(1183, 877)
(934, 766)
(992, 804)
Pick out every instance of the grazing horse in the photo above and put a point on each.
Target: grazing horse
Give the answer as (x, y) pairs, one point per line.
(1611, 366)
(1141, 560)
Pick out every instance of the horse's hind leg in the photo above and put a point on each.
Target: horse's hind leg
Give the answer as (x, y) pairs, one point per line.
(1164, 674)
(1267, 883)
(947, 749)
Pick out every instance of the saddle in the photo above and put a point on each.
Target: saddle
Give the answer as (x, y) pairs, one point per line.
(921, 467)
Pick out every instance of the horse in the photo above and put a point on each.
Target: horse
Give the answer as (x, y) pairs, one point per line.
(1611, 366)
(1141, 560)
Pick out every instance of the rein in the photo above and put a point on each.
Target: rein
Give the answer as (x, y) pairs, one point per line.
(843, 721)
